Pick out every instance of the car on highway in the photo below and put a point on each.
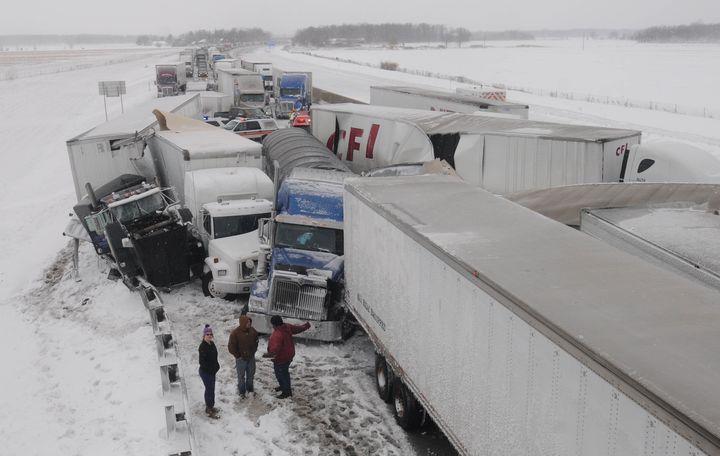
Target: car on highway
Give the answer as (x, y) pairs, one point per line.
(255, 129)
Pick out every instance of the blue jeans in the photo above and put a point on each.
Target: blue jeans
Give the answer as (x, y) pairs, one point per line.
(209, 382)
(282, 373)
(245, 374)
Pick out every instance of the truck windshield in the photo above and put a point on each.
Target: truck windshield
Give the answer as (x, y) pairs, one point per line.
(237, 224)
(167, 78)
(253, 97)
(290, 92)
(136, 209)
(309, 238)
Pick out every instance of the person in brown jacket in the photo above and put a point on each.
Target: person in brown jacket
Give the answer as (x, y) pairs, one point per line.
(243, 344)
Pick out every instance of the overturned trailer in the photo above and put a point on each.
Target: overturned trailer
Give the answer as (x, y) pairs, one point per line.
(500, 155)
(114, 148)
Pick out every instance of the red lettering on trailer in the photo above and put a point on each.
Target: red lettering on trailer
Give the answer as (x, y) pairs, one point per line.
(369, 150)
(352, 144)
(621, 150)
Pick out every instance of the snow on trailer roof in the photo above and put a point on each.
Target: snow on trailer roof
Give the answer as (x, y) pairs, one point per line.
(643, 327)
(691, 233)
(236, 71)
(434, 122)
(482, 103)
(138, 119)
(198, 144)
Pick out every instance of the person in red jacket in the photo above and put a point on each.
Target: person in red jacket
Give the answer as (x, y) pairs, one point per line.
(281, 349)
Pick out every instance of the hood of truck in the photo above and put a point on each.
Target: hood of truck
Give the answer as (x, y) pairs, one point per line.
(238, 248)
(299, 261)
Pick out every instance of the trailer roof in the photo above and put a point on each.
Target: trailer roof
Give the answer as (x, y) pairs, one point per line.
(482, 103)
(434, 122)
(235, 71)
(691, 233)
(213, 142)
(649, 329)
(138, 119)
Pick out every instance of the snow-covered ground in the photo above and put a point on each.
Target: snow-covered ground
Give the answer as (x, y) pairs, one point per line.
(81, 373)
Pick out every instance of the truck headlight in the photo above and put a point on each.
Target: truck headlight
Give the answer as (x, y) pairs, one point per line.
(222, 272)
(250, 264)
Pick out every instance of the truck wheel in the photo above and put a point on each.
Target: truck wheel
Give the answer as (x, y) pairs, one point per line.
(347, 326)
(209, 289)
(408, 412)
(382, 378)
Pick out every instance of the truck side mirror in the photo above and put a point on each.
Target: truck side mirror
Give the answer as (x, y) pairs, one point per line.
(264, 230)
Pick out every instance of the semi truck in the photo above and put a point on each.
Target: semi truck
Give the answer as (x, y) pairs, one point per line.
(217, 176)
(264, 69)
(437, 100)
(300, 274)
(520, 335)
(246, 87)
(186, 57)
(170, 79)
(139, 231)
(293, 91)
(505, 156)
(201, 63)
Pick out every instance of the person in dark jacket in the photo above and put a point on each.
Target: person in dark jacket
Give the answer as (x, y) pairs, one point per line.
(209, 366)
(281, 348)
(243, 344)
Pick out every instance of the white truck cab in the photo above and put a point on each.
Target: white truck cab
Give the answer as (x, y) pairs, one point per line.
(229, 231)
(226, 204)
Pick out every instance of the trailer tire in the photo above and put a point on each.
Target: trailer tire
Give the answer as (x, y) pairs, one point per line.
(382, 379)
(348, 325)
(408, 412)
(207, 288)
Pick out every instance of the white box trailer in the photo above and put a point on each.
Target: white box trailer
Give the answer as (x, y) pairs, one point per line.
(246, 87)
(437, 100)
(116, 147)
(500, 155)
(682, 240)
(265, 69)
(520, 335)
(178, 151)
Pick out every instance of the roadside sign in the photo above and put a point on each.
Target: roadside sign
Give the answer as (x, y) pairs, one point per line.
(111, 88)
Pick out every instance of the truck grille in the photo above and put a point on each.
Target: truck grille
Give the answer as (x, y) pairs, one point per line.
(296, 300)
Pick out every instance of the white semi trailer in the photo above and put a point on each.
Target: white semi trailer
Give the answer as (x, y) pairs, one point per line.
(521, 336)
(437, 100)
(500, 155)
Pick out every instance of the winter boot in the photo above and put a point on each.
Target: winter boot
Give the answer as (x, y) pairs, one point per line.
(285, 394)
(278, 388)
(212, 412)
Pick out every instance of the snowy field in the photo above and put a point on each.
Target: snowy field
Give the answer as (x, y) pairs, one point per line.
(81, 375)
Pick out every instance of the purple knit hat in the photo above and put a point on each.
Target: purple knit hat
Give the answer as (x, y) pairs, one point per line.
(207, 330)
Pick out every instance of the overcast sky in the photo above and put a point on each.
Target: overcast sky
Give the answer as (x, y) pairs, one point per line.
(285, 16)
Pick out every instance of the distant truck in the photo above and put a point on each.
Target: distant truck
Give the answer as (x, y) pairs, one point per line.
(246, 87)
(437, 100)
(170, 79)
(217, 176)
(186, 56)
(519, 335)
(265, 69)
(293, 91)
(500, 155)
(303, 279)
(201, 63)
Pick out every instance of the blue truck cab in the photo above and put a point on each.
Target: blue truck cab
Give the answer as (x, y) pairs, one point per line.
(303, 279)
(294, 94)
